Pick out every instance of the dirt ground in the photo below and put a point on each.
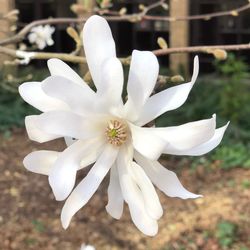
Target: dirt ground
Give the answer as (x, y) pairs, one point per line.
(30, 217)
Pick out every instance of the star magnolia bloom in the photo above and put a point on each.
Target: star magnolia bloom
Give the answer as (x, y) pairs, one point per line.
(109, 133)
(41, 36)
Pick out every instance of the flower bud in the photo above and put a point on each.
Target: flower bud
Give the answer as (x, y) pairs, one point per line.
(220, 54)
(73, 33)
(162, 43)
(177, 79)
(123, 11)
(78, 9)
(234, 13)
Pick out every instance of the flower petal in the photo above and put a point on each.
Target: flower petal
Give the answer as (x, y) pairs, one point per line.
(33, 94)
(152, 204)
(204, 147)
(40, 162)
(147, 142)
(59, 68)
(168, 99)
(77, 97)
(143, 73)
(63, 174)
(88, 186)
(188, 135)
(133, 196)
(110, 90)
(163, 178)
(35, 133)
(98, 45)
(115, 198)
(68, 124)
(69, 140)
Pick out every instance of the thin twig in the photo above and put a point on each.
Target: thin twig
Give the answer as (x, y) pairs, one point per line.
(208, 16)
(201, 49)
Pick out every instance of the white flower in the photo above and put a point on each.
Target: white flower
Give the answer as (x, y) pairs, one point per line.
(110, 134)
(42, 36)
(87, 247)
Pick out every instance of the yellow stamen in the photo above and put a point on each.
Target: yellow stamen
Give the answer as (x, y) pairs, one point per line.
(116, 132)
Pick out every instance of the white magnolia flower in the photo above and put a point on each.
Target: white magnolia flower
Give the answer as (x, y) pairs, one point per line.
(109, 133)
(42, 36)
(87, 247)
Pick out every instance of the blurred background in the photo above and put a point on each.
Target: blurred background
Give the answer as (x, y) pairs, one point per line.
(29, 215)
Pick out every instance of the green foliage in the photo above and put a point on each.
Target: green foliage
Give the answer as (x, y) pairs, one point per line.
(226, 93)
(226, 156)
(235, 95)
(30, 241)
(233, 155)
(12, 111)
(244, 248)
(38, 225)
(232, 67)
(226, 233)
(245, 184)
(12, 108)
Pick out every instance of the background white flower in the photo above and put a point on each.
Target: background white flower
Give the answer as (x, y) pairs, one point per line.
(42, 36)
(87, 247)
(109, 133)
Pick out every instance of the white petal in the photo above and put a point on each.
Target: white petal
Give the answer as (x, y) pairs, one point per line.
(40, 162)
(88, 186)
(33, 94)
(98, 45)
(50, 41)
(68, 124)
(133, 196)
(150, 197)
(143, 73)
(59, 68)
(115, 198)
(41, 43)
(69, 141)
(168, 99)
(32, 37)
(77, 97)
(147, 142)
(164, 179)
(188, 135)
(35, 133)
(204, 147)
(63, 174)
(110, 90)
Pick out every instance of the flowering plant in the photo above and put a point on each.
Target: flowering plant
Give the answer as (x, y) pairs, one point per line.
(100, 129)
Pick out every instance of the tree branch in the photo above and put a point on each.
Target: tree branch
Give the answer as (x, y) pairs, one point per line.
(125, 61)
(136, 17)
(201, 49)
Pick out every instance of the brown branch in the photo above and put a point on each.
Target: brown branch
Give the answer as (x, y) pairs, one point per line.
(136, 17)
(201, 49)
(208, 16)
(126, 61)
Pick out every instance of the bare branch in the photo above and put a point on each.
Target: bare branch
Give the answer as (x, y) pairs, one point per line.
(125, 61)
(208, 16)
(201, 49)
(112, 17)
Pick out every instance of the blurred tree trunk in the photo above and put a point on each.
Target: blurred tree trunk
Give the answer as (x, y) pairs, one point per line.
(179, 35)
(5, 7)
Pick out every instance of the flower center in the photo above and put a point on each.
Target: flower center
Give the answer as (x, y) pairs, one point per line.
(116, 132)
